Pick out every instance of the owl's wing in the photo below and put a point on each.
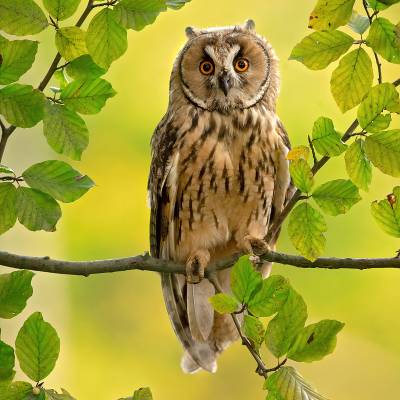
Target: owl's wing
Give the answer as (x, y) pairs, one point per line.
(162, 188)
(283, 188)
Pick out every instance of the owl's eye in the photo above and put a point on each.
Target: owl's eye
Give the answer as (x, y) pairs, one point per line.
(241, 65)
(206, 67)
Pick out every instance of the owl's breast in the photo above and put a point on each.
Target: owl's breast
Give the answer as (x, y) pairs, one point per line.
(225, 175)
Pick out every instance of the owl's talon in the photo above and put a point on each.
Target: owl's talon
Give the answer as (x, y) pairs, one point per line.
(196, 266)
(254, 259)
(255, 247)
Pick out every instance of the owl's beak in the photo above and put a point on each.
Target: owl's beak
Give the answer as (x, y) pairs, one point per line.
(225, 82)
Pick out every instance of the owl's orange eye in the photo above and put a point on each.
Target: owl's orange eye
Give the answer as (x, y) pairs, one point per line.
(206, 67)
(241, 65)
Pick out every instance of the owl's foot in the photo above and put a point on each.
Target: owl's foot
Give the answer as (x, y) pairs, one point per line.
(196, 265)
(255, 247)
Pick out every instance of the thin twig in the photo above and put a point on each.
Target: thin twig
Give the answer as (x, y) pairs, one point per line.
(106, 4)
(281, 364)
(378, 63)
(261, 368)
(312, 149)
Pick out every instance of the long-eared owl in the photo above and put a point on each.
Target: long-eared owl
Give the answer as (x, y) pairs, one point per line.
(219, 175)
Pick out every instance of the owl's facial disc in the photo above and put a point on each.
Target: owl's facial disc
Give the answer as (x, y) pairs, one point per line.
(225, 70)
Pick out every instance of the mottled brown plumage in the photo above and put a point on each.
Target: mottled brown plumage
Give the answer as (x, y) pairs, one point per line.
(218, 177)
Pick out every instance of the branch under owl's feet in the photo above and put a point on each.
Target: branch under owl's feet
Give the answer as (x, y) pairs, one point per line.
(145, 262)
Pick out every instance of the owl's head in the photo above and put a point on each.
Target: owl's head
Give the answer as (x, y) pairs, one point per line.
(226, 68)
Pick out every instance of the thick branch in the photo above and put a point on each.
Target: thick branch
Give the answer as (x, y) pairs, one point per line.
(276, 226)
(147, 263)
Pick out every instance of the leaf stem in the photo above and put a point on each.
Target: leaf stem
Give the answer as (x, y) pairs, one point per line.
(311, 144)
(377, 61)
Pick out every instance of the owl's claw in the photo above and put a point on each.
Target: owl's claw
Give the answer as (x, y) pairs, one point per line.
(196, 266)
(255, 247)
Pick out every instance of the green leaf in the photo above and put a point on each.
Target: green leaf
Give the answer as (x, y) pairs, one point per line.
(384, 38)
(387, 213)
(65, 131)
(58, 179)
(306, 228)
(352, 79)
(288, 384)
(315, 341)
(15, 290)
(15, 390)
(17, 58)
(87, 96)
(8, 211)
(21, 17)
(358, 23)
(337, 196)
(376, 5)
(328, 15)
(136, 14)
(358, 165)
(61, 9)
(176, 4)
(37, 210)
(106, 39)
(53, 395)
(270, 298)
(6, 170)
(318, 50)
(245, 280)
(223, 303)
(83, 67)
(71, 42)
(285, 326)
(59, 76)
(143, 394)
(383, 149)
(254, 330)
(301, 175)
(7, 362)
(21, 105)
(37, 347)
(326, 140)
(381, 97)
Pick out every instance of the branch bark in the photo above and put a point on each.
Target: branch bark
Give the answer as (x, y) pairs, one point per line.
(145, 262)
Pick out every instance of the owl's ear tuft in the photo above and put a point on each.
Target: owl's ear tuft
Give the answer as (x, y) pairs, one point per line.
(191, 32)
(249, 25)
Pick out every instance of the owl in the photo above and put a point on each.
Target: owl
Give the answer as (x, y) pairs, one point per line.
(218, 178)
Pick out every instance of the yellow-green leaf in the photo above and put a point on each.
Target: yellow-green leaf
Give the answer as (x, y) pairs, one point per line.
(223, 303)
(387, 213)
(326, 140)
(8, 210)
(254, 330)
(337, 196)
(306, 231)
(301, 175)
(330, 14)
(71, 42)
(352, 79)
(384, 38)
(61, 9)
(319, 49)
(358, 165)
(383, 149)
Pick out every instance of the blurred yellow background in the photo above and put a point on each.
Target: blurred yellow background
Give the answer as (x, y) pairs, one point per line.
(115, 334)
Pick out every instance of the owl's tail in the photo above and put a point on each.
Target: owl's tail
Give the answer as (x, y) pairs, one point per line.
(198, 354)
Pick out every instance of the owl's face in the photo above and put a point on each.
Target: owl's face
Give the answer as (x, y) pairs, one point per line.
(226, 68)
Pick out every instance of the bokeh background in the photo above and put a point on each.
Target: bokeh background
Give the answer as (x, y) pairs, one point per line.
(114, 330)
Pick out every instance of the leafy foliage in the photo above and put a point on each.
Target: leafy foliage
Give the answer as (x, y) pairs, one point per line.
(37, 347)
(223, 303)
(387, 213)
(288, 384)
(61, 9)
(358, 165)
(301, 174)
(71, 42)
(325, 138)
(15, 290)
(8, 210)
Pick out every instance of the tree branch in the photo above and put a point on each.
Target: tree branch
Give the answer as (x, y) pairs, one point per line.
(276, 226)
(147, 263)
